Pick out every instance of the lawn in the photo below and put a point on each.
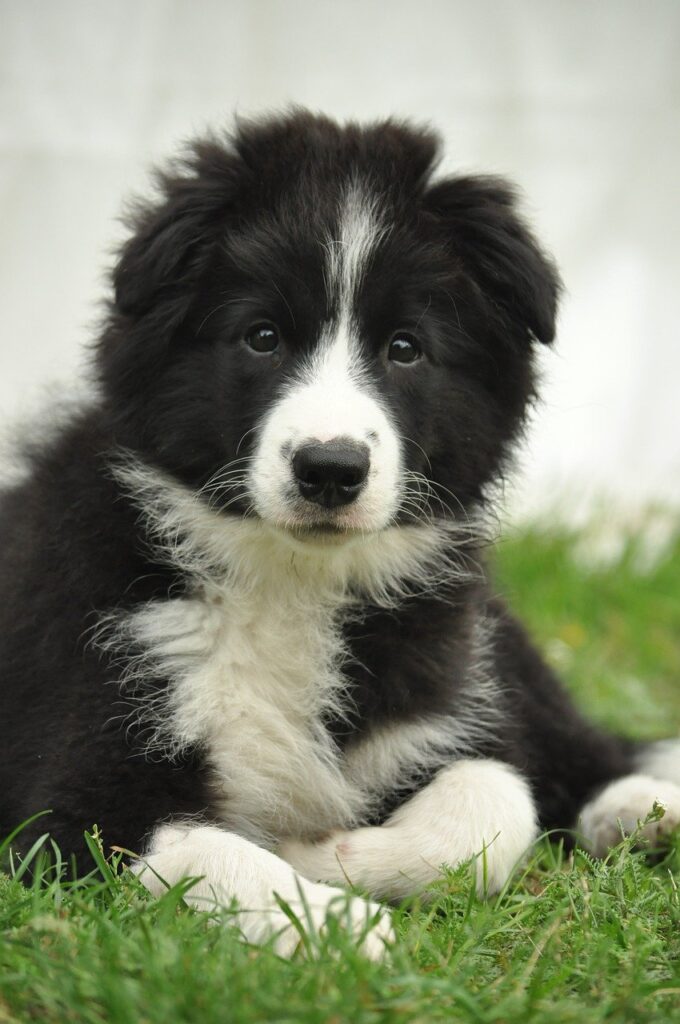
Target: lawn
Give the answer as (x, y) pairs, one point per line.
(569, 940)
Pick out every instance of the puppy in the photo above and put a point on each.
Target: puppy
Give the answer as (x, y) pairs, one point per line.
(245, 621)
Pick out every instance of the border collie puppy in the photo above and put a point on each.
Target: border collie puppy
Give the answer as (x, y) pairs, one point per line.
(245, 624)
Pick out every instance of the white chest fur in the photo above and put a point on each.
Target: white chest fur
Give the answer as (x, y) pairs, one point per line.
(249, 665)
(252, 675)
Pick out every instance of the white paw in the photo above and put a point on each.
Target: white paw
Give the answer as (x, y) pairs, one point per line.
(368, 923)
(229, 870)
(622, 805)
(325, 861)
(661, 760)
(371, 858)
(474, 809)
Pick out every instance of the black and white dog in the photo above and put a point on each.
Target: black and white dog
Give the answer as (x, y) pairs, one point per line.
(244, 620)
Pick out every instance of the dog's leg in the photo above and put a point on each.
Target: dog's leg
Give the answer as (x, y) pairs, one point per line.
(232, 868)
(620, 807)
(661, 760)
(473, 807)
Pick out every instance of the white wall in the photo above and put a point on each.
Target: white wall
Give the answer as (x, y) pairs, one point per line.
(579, 102)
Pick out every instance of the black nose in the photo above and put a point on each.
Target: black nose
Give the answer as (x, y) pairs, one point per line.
(331, 473)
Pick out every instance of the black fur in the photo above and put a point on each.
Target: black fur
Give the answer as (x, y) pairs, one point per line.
(238, 225)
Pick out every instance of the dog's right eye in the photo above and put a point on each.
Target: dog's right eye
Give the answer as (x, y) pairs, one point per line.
(262, 338)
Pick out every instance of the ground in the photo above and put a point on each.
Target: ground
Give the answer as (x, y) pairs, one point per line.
(570, 939)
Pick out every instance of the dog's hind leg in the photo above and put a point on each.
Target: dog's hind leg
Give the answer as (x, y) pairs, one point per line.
(661, 760)
(620, 807)
(474, 808)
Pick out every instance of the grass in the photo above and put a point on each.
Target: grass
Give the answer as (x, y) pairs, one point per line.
(570, 939)
(613, 633)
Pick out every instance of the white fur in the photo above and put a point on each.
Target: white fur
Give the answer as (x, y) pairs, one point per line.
(232, 869)
(332, 398)
(361, 228)
(328, 402)
(473, 808)
(208, 546)
(399, 754)
(254, 656)
(622, 805)
(662, 761)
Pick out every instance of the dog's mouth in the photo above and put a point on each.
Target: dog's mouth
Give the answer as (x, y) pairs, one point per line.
(326, 530)
(330, 533)
(303, 522)
(323, 531)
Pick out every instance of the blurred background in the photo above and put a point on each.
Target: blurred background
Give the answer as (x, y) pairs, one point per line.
(578, 102)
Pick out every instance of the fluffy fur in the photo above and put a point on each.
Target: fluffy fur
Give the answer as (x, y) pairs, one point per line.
(245, 621)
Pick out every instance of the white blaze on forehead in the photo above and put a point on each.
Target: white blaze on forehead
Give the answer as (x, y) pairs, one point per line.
(334, 378)
(360, 229)
(332, 396)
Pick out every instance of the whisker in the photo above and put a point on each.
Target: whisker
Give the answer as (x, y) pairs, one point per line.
(238, 446)
(410, 440)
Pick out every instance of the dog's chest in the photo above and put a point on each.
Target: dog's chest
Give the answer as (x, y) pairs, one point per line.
(251, 677)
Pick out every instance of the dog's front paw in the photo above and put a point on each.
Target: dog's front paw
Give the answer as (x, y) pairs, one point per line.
(323, 861)
(368, 923)
(265, 898)
(621, 807)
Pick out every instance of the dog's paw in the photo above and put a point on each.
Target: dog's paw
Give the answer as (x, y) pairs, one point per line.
(661, 760)
(371, 858)
(621, 807)
(479, 810)
(368, 923)
(263, 895)
(323, 861)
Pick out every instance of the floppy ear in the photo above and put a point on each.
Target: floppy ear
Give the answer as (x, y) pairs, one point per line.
(499, 252)
(160, 267)
(173, 238)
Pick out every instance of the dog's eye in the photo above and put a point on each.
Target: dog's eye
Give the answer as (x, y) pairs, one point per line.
(403, 348)
(262, 338)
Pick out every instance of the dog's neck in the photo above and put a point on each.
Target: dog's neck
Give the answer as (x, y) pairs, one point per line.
(212, 548)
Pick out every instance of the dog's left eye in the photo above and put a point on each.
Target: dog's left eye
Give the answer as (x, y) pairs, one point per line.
(403, 348)
(262, 338)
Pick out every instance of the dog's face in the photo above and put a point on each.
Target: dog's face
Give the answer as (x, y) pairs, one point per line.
(308, 330)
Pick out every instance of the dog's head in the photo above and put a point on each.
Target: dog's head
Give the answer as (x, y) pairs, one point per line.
(309, 329)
